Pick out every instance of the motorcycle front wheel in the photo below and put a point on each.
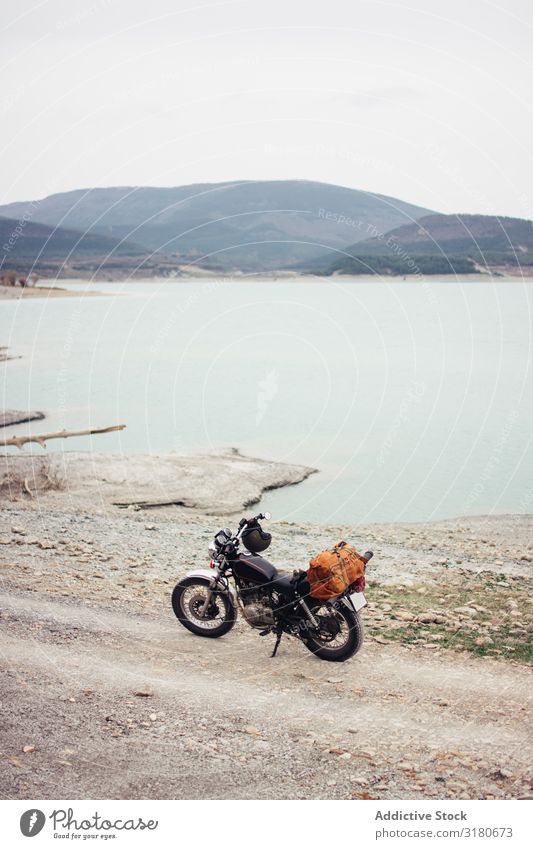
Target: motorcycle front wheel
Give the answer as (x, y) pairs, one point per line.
(340, 634)
(188, 599)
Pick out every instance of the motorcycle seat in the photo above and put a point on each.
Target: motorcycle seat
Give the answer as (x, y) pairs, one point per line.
(284, 582)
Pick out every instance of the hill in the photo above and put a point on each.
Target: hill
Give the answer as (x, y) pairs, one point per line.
(439, 244)
(25, 243)
(244, 225)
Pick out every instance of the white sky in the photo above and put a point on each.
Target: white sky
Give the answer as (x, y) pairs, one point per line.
(426, 100)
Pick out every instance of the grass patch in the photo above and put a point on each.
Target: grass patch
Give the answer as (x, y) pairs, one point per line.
(500, 627)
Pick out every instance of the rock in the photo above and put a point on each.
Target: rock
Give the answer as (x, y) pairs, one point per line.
(153, 717)
(404, 616)
(251, 729)
(500, 774)
(336, 751)
(467, 611)
(150, 527)
(431, 618)
(143, 693)
(28, 749)
(17, 530)
(483, 641)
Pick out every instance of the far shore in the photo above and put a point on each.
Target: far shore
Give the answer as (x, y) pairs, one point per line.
(50, 289)
(289, 277)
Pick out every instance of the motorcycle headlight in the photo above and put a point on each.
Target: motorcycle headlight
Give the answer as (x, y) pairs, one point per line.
(222, 537)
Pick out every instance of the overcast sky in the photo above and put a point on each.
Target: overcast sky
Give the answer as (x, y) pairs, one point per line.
(426, 100)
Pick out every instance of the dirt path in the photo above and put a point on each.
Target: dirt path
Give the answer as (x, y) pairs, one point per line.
(223, 720)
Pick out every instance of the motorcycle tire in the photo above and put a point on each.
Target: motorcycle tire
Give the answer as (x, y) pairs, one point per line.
(354, 639)
(184, 602)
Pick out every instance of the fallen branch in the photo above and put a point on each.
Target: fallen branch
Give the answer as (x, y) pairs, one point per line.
(145, 505)
(26, 488)
(19, 441)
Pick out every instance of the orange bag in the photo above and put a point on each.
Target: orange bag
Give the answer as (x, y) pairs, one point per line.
(331, 572)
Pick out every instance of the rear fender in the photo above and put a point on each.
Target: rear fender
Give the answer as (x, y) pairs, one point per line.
(349, 602)
(209, 575)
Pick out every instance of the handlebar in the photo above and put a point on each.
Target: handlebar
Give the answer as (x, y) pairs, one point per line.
(257, 518)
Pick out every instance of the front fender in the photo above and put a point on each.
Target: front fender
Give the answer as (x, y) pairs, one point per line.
(210, 575)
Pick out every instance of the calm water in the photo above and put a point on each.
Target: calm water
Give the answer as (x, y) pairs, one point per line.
(414, 401)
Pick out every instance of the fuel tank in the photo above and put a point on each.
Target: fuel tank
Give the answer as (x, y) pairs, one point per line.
(254, 568)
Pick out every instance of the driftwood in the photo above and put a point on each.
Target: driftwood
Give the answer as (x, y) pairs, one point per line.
(145, 505)
(19, 441)
(13, 417)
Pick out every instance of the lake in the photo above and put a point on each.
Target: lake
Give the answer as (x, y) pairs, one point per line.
(413, 400)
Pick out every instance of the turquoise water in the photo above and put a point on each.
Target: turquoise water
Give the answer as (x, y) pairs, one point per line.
(413, 400)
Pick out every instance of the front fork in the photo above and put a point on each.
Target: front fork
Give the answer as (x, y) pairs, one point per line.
(210, 590)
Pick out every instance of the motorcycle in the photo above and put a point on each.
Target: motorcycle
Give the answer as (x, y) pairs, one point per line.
(270, 600)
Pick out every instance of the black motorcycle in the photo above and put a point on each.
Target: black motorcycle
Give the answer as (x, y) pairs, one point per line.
(272, 601)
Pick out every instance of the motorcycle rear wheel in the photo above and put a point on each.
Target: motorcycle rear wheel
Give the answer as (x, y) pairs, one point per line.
(187, 598)
(338, 648)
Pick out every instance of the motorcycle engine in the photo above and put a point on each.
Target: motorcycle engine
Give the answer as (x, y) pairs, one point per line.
(257, 610)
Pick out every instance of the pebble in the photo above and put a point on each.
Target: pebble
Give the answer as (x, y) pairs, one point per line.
(404, 616)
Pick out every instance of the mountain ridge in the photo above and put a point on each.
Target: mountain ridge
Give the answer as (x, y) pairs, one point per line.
(438, 244)
(236, 225)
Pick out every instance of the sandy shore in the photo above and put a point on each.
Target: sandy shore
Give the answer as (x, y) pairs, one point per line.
(17, 293)
(119, 701)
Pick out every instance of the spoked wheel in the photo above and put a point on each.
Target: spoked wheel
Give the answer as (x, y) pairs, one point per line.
(188, 599)
(340, 633)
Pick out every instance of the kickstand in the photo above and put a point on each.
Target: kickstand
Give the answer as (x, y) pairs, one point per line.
(276, 645)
